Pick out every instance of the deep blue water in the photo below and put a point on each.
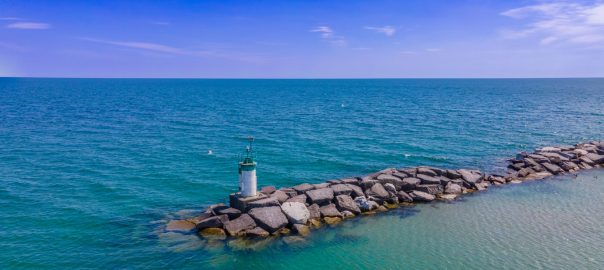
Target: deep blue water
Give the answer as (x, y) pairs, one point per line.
(90, 169)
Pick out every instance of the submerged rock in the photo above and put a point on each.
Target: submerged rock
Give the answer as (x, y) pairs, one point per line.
(182, 226)
(332, 220)
(302, 230)
(213, 233)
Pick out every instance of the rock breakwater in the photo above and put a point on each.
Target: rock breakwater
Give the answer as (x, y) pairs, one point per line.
(299, 209)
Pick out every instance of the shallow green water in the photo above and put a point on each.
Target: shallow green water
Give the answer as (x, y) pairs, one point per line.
(90, 170)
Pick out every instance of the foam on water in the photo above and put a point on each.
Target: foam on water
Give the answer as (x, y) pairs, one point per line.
(89, 169)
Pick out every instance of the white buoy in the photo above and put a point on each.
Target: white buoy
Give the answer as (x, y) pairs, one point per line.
(247, 173)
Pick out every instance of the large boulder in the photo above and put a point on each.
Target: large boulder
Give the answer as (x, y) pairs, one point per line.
(298, 198)
(269, 218)
(268, 190)
(356, 191)
(390, 179)
(321, 185)
(289, 191)
(364, 204)
(552, 168)
(280, 195)
(421, 196)
(320, 196)
(367, 183)
(470, 177)
(267, 202)
(378, 192)
(237, 226)
(211, 222)
(453, 188)
(453, 174)
(329, 210)
(598, 159)
(296, 212)
(428, 180)
(232, 213)
(404, 197)
(303, 188)
(341, 189)
(391, 189)
(426, 171)
(431, 189)
(314, 212)
(409, 183)
(346, 203)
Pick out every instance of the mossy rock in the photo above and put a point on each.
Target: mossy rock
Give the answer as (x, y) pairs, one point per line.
(315, 223)
(213, 233)
(391, 205)
(332, 220)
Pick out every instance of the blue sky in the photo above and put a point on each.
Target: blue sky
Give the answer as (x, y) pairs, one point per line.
(302, 39)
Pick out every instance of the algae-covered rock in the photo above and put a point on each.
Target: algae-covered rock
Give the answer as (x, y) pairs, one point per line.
(182, 226)
(302, 230)
(213, 233)
(332, 220)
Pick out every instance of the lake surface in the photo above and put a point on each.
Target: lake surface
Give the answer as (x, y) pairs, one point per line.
(91, 169)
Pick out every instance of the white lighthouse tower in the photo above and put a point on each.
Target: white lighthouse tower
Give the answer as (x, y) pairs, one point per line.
(247, 172)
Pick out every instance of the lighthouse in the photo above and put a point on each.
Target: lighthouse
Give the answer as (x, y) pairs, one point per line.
(247, 172)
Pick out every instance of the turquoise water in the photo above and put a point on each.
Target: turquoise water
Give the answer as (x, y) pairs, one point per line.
(90, 169)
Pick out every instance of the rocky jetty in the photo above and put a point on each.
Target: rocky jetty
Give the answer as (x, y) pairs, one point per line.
(297, 209)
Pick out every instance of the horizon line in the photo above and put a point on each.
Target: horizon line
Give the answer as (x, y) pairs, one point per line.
(300, 78)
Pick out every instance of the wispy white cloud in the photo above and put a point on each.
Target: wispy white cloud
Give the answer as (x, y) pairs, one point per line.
(386, 30)
(562, 21)
(10, 19)
(165, 49)
(328, 34)
(29, 25)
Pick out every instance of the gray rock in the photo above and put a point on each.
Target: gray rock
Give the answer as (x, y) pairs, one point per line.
(525, 172)
(404, 197)
(346, 203)
(232, 213)
(390, 189)
(314, 211)
(368, 183)
(268, 190)
(428, 180)
(421, 196)
(390, 179)
(257, 232)
(296, 212)
(569, 166)
(554, 157)
(585, 159)
(552, 168)
(298, 198)
(341, 189)
(364, 204)
(598, 159)
(431, 189)
(303, 188)
(356, 191)
(320, 196)
(452, 174)
(351, 181)
(410, 183)
(289, 191)
(280, 196)
(378, 191)
(211, 222)
(270, 219)
(271, 201)
(409, 171)
(530, 162)
(470, 176)
(321, 185)
(453, 188)
(347, 214)
(236, 226)
(426, 171)
(330, 210)
(400, 175)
